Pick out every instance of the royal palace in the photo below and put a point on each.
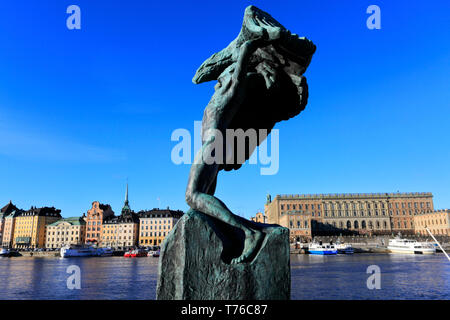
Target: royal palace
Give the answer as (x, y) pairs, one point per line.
(307, 215)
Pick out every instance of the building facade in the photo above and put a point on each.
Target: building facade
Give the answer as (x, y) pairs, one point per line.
(8, 229)
(5, 211)
(299, 224)
(438, 222)
(30, 227)
(156, 224)
(67, 231)
(94, 222)
(122, 231)
(360, 213)
(259, 217)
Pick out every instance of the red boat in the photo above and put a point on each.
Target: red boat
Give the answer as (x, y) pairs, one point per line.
(135, 253)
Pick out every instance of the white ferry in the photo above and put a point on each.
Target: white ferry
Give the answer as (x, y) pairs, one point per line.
(399, 245)
(78, 251)
(322, 249)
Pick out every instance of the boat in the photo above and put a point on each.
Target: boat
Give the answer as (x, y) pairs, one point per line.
(77, 251)
(136, 253)
(105, 252)
(5, 252)
(156, 254)
(399, 245)
(322, 249)
(344, 248)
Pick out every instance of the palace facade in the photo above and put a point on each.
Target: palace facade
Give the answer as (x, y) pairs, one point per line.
(358, 213)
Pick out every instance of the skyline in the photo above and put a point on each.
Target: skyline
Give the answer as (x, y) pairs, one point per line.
(83, 110)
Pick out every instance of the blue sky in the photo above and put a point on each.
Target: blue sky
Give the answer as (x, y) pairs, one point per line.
(81, 111)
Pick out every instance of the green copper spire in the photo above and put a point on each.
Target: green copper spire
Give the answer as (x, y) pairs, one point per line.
(126, 206)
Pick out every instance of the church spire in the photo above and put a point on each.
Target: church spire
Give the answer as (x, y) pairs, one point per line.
(126, 196)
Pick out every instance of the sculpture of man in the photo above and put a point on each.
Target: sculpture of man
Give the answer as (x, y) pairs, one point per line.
(259, 83)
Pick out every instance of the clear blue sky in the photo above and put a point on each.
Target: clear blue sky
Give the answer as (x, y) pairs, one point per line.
(82, 111)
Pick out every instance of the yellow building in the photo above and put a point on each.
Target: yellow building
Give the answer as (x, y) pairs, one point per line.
(29, 227)
(67, 231)
(438, 222)
(156, 224)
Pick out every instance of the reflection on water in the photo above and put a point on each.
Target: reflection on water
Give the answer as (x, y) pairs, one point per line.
(345, 277)
(101, 278)
(313, 277)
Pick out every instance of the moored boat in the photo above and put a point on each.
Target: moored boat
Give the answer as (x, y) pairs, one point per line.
(156, 254)
(399, 245)
(322, 249)
(344, 248)
(78, 251)
(136, 253)
(105, 252)
(5, 252)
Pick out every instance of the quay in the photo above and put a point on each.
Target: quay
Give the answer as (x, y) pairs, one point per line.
(365, 244)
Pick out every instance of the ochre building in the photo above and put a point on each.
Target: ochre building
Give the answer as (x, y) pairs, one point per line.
(30, 227)
(438, 222)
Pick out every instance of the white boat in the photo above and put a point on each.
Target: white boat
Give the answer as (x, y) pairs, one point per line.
(78, 251)
(322, 249)
(345, 248)
(399, 245)
(4, 252)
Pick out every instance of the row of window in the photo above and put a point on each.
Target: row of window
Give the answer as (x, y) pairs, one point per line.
(354, 206)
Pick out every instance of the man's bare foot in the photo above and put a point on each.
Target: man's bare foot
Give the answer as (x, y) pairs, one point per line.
(253, 238)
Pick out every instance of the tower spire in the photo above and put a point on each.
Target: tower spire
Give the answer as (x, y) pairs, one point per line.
(126, 196)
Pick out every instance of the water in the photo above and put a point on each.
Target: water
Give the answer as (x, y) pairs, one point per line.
(313, 277)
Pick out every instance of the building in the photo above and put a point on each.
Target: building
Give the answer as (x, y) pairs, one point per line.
(67, 231)
(360, 213)
(156, 224)
(29, 226)
(259, 217)
(438, 222)
(122, 231)
(5, 211)
(8, 228)
(94, 222)
(299, 224)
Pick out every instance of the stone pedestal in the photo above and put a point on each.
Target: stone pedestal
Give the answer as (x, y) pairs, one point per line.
(196, 255)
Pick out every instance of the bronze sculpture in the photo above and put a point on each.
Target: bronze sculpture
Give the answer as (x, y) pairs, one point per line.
(259, 83)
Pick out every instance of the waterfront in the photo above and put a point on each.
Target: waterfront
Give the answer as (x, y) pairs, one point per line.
(313, 277)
